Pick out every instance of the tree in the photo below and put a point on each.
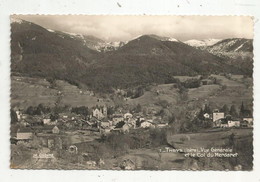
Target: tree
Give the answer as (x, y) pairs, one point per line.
(14, 118)
(171, 120)
(39, 110)
(170, 79)
(233, 111)
(138, 108)
(110, 111)
(30, 110)
(54, 116)
(163, 103)
(225, 109)
(207, 109)
(83, 110)
(192, 83)
(242, 110)
(139, 92)
(129, 93)
(52, 82)
(120, 124)
(196, 124)
(201, 114)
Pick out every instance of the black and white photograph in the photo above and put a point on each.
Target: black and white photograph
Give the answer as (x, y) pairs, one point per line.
(125, 92)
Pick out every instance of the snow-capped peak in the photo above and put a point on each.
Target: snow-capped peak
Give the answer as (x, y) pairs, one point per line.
(50, 30)
(73, 35)
(200, 43)
(173, 40)
(16, 20)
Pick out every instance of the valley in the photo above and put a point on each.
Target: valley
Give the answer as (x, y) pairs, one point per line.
(80, 102)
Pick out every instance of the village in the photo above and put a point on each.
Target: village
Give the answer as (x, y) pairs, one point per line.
(76, 104)
(65, 131)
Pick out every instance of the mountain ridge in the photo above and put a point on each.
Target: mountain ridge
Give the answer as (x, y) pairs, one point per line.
(147, 59)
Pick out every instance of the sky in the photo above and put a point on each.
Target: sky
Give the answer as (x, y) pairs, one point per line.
(124, 28)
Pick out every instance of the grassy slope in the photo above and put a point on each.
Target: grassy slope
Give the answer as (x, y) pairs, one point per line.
(36, 52)
(27, 91)
(33, 91)
(218, 138)
(237, 91)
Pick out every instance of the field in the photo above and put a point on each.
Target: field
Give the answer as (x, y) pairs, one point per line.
(238, 140)
(210, 138)
(26, 91)
(155, 94)
(232, 91)
(80, 136)
(149, 158)
(236, 92)
(31, 92)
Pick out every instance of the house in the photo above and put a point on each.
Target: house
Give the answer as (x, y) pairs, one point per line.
(110, 123)
(162, 125)
(128, 115)
(206, 116)
(139, 121)
(18, 114)
(99, 112)
(104, 130)
(91, 163)
(101, 162)
(65, 117)
(87, 125)
(244, 124)
(217, 123)
(206, 82)
(249, 121)
(24, 123)
(127, 164)
(55, 130)
(233, 123)
(116, 130)
(125, 128)
(46, 121)
(104, 124)
(94, 120)
(132, 122)
(24, 134)
(69, 125)
(218, 115)
(117, 119)
(73, 149)
(146, 124)
(223, 125)
(24, 116)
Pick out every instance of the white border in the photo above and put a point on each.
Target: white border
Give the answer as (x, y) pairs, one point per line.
(137, 7)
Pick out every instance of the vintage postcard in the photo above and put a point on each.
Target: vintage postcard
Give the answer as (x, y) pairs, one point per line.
(131, 92)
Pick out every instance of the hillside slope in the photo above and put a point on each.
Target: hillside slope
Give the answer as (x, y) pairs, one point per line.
(149, 60)
(39, 52)
(27, 91)
(237, 51)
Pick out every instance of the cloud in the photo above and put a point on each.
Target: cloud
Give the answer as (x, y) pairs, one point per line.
(114, 28)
